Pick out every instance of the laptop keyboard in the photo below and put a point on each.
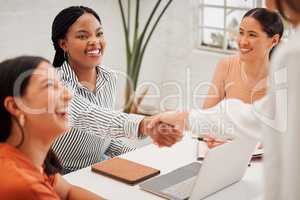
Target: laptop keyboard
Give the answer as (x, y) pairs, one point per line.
(181, 190)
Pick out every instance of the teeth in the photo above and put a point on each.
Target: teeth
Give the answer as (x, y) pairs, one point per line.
(245, 50)
(95, 52)
(61, 111)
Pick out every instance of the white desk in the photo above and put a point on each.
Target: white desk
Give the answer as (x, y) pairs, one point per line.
(167, 159)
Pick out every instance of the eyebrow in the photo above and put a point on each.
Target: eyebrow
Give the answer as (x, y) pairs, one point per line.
(84, 31)
(241, 29)
(81, 31)
(253, 32)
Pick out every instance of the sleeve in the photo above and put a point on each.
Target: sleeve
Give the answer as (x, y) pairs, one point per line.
(230, 118)
(118, 147)
(40, 191)
(114, 80)
(35, 191)
(216, 91)
(85, 115)
(291, 138)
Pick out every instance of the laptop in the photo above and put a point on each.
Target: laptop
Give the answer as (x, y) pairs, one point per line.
(223, 166)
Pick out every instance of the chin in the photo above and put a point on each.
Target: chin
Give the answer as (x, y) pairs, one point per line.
(62, 126)
(61, 129)
(94, 61)
(245, 57)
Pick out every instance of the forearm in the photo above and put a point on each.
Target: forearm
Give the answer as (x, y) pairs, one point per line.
(88, 116)
(228, 118)
(78, 193)
(118, 147)
(67, 191)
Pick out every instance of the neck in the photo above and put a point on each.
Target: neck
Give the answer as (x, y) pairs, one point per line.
(34, 149)
(87, 76)
(256, 68)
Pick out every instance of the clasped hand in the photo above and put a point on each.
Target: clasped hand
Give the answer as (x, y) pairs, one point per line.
(165, 129)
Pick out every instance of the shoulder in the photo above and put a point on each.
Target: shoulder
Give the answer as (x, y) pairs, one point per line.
(21, 181)
(59, 71)
(67, 77)
(287, 51)
(62, 73)
(108, 73)
(229, 60)
(227, 64)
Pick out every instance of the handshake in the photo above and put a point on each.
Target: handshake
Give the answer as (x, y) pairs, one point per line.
(165, 129)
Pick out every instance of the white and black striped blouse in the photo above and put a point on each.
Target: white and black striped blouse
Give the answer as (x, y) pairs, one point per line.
(95, 126)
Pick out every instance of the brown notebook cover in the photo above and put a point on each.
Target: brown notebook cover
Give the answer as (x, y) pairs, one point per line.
(124, 170)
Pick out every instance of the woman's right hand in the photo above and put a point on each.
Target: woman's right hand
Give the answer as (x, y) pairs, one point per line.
(213, 141)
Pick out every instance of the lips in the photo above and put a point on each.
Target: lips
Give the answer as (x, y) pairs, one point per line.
(245, 50)
(94, 52)
(62, 113)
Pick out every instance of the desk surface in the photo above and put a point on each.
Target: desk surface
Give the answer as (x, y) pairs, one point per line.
(167, 159)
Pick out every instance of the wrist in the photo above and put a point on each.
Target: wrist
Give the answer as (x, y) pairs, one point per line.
(185, 118)
(143, 127)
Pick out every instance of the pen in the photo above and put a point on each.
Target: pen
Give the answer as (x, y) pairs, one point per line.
(197, 150)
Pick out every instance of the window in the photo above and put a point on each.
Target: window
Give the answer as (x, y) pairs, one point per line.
(218, 23)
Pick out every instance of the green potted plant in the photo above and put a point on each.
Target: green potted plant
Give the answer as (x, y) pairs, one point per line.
(136, 41)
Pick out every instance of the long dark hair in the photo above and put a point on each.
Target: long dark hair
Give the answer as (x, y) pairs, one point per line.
(63, 20)
(292, 4)
(270, 22)
(10, 71)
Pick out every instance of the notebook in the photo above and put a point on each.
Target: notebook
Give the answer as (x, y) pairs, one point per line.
(125, 170)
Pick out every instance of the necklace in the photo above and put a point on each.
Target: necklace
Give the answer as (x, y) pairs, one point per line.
(249, 81)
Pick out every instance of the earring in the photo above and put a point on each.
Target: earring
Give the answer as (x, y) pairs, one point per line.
(22, 120)
(65, 55)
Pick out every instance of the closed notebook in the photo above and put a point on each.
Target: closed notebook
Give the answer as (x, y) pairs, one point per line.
(125, 170)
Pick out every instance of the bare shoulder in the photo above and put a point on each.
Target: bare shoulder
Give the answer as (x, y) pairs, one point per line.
(228, 63)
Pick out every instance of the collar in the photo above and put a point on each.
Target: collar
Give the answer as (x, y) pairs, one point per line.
(68, 74)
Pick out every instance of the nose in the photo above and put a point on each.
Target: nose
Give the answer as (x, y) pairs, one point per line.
(243, 40)
(94, 40)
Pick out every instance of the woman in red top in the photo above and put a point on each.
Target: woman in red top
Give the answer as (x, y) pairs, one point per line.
(33, 107)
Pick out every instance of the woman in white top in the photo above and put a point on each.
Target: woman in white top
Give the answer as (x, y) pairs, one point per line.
(284, 148)
(267, 117)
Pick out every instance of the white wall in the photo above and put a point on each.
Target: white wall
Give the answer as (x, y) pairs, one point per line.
(25, 27)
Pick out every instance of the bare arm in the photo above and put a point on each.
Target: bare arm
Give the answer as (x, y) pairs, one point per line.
(67, 191)
(216, 91)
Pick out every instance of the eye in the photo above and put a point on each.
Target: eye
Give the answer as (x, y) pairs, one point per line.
(82, 37)
(100, 34)
(50, 83)
(252, 35)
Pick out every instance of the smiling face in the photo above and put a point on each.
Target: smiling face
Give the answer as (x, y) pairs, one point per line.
(252, 41)
(45, 103)
(84, 42)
